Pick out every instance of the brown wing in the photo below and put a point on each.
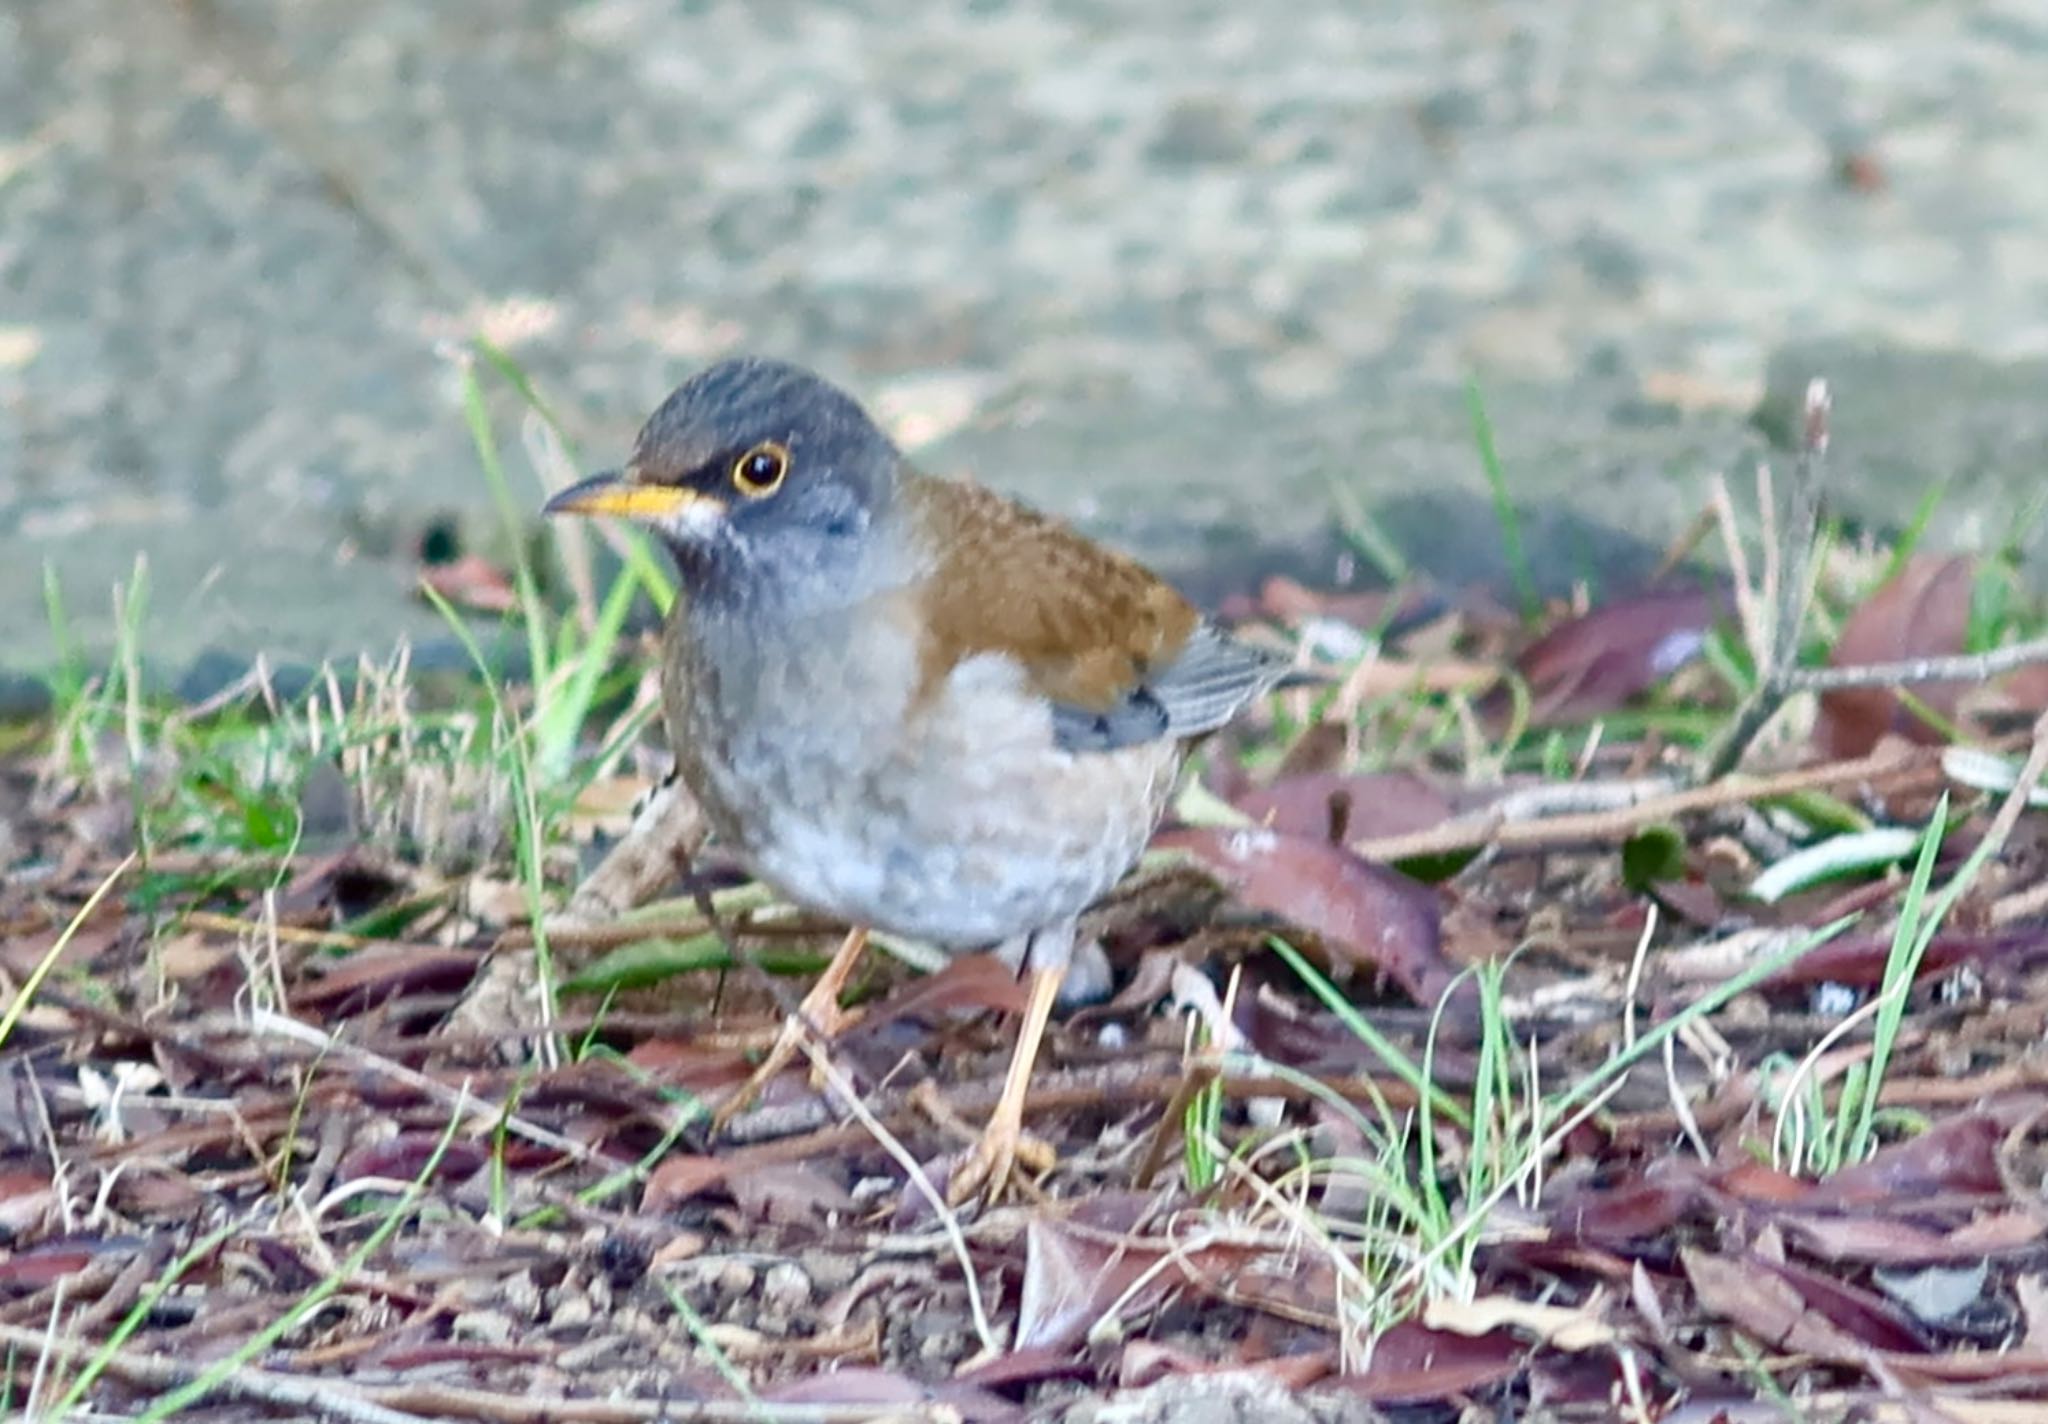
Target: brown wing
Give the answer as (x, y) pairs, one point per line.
(1120, 654)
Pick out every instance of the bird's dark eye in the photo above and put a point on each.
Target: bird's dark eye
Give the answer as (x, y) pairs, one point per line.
(759, 472)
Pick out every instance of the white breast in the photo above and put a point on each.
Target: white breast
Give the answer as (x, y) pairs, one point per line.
(958, 822)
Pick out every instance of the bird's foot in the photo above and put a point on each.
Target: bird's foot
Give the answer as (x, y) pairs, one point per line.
(796, 1029)
(991, 1166)
(819, 1014)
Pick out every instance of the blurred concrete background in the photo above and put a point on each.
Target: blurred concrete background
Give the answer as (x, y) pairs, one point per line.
(1175, 268)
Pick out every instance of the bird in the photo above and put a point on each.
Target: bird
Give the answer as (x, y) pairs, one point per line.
(905, 701)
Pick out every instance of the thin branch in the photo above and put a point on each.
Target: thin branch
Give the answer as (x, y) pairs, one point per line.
(1495, 830)
(278, 1025)
(1794, 544)
(822, 1064)
(410, 1403)
(1748, 601)
(1962, 667)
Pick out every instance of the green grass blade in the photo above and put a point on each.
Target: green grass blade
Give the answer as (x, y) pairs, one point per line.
(215, 1374)
(137, 1314)
(1503, 507)
(1916, 529)
(568, 708)
(1398, 1063)
(1910, 938)
(532, 613)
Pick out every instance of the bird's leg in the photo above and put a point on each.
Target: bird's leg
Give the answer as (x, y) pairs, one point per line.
(988, 1164)
(818, 1014)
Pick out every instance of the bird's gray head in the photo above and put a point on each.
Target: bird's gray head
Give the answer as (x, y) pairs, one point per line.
(760, 476)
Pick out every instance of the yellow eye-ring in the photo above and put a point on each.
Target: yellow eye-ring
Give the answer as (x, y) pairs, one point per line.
(759, 472)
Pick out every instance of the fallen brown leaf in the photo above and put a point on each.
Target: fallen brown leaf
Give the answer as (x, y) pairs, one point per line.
(1597, 662)
(1565, 1327)
(1923, 611)
(1413, 1364)
(1368, 917)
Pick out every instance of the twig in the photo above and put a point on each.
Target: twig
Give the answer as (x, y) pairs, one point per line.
(2022, 794)
(1962, 667)
(1195, 1076)
(2021, 904)
(821, 1063)
(299, 934)
(316, 1396)
(409, 1404)
(1747, 605)
(609, 935)
(666, 834)
(125, 1289)
(1794, 545)
(777, 1128)
(280, 1026)
(1681, 548)
(1494, 829)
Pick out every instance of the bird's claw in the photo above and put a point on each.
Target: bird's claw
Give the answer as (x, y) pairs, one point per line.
(788, 1044)
(818, 1014)
(989, 1169)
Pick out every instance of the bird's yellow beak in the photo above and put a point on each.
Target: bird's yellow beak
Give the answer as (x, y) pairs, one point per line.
(613, 493)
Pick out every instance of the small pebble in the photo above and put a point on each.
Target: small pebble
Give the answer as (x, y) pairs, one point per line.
(831, 1270)
(869, 1190)
(483, 1327)
(573, 1313)
(786, 1287)
(603, 1350)
(522, 1295)
(736, 1278)
(1832, 1001)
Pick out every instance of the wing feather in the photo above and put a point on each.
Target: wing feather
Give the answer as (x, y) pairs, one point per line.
(1120, 655)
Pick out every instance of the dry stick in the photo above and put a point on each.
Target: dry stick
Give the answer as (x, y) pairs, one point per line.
(409, 1404)
(821, 1063)
(299, 934)
(125, 1289)
(2022, 794)
(1605, 826)
(675, 927)
(1194, 1078)
(289, 1028)
(1681, 548)
(1970, 667)
(606, 936)
(1796, 535)
(2021, 904)
(1747, 611)
(792, 1131)
(1782, 676)
(162, 1372)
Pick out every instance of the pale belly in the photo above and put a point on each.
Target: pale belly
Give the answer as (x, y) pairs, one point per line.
(963, 825)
